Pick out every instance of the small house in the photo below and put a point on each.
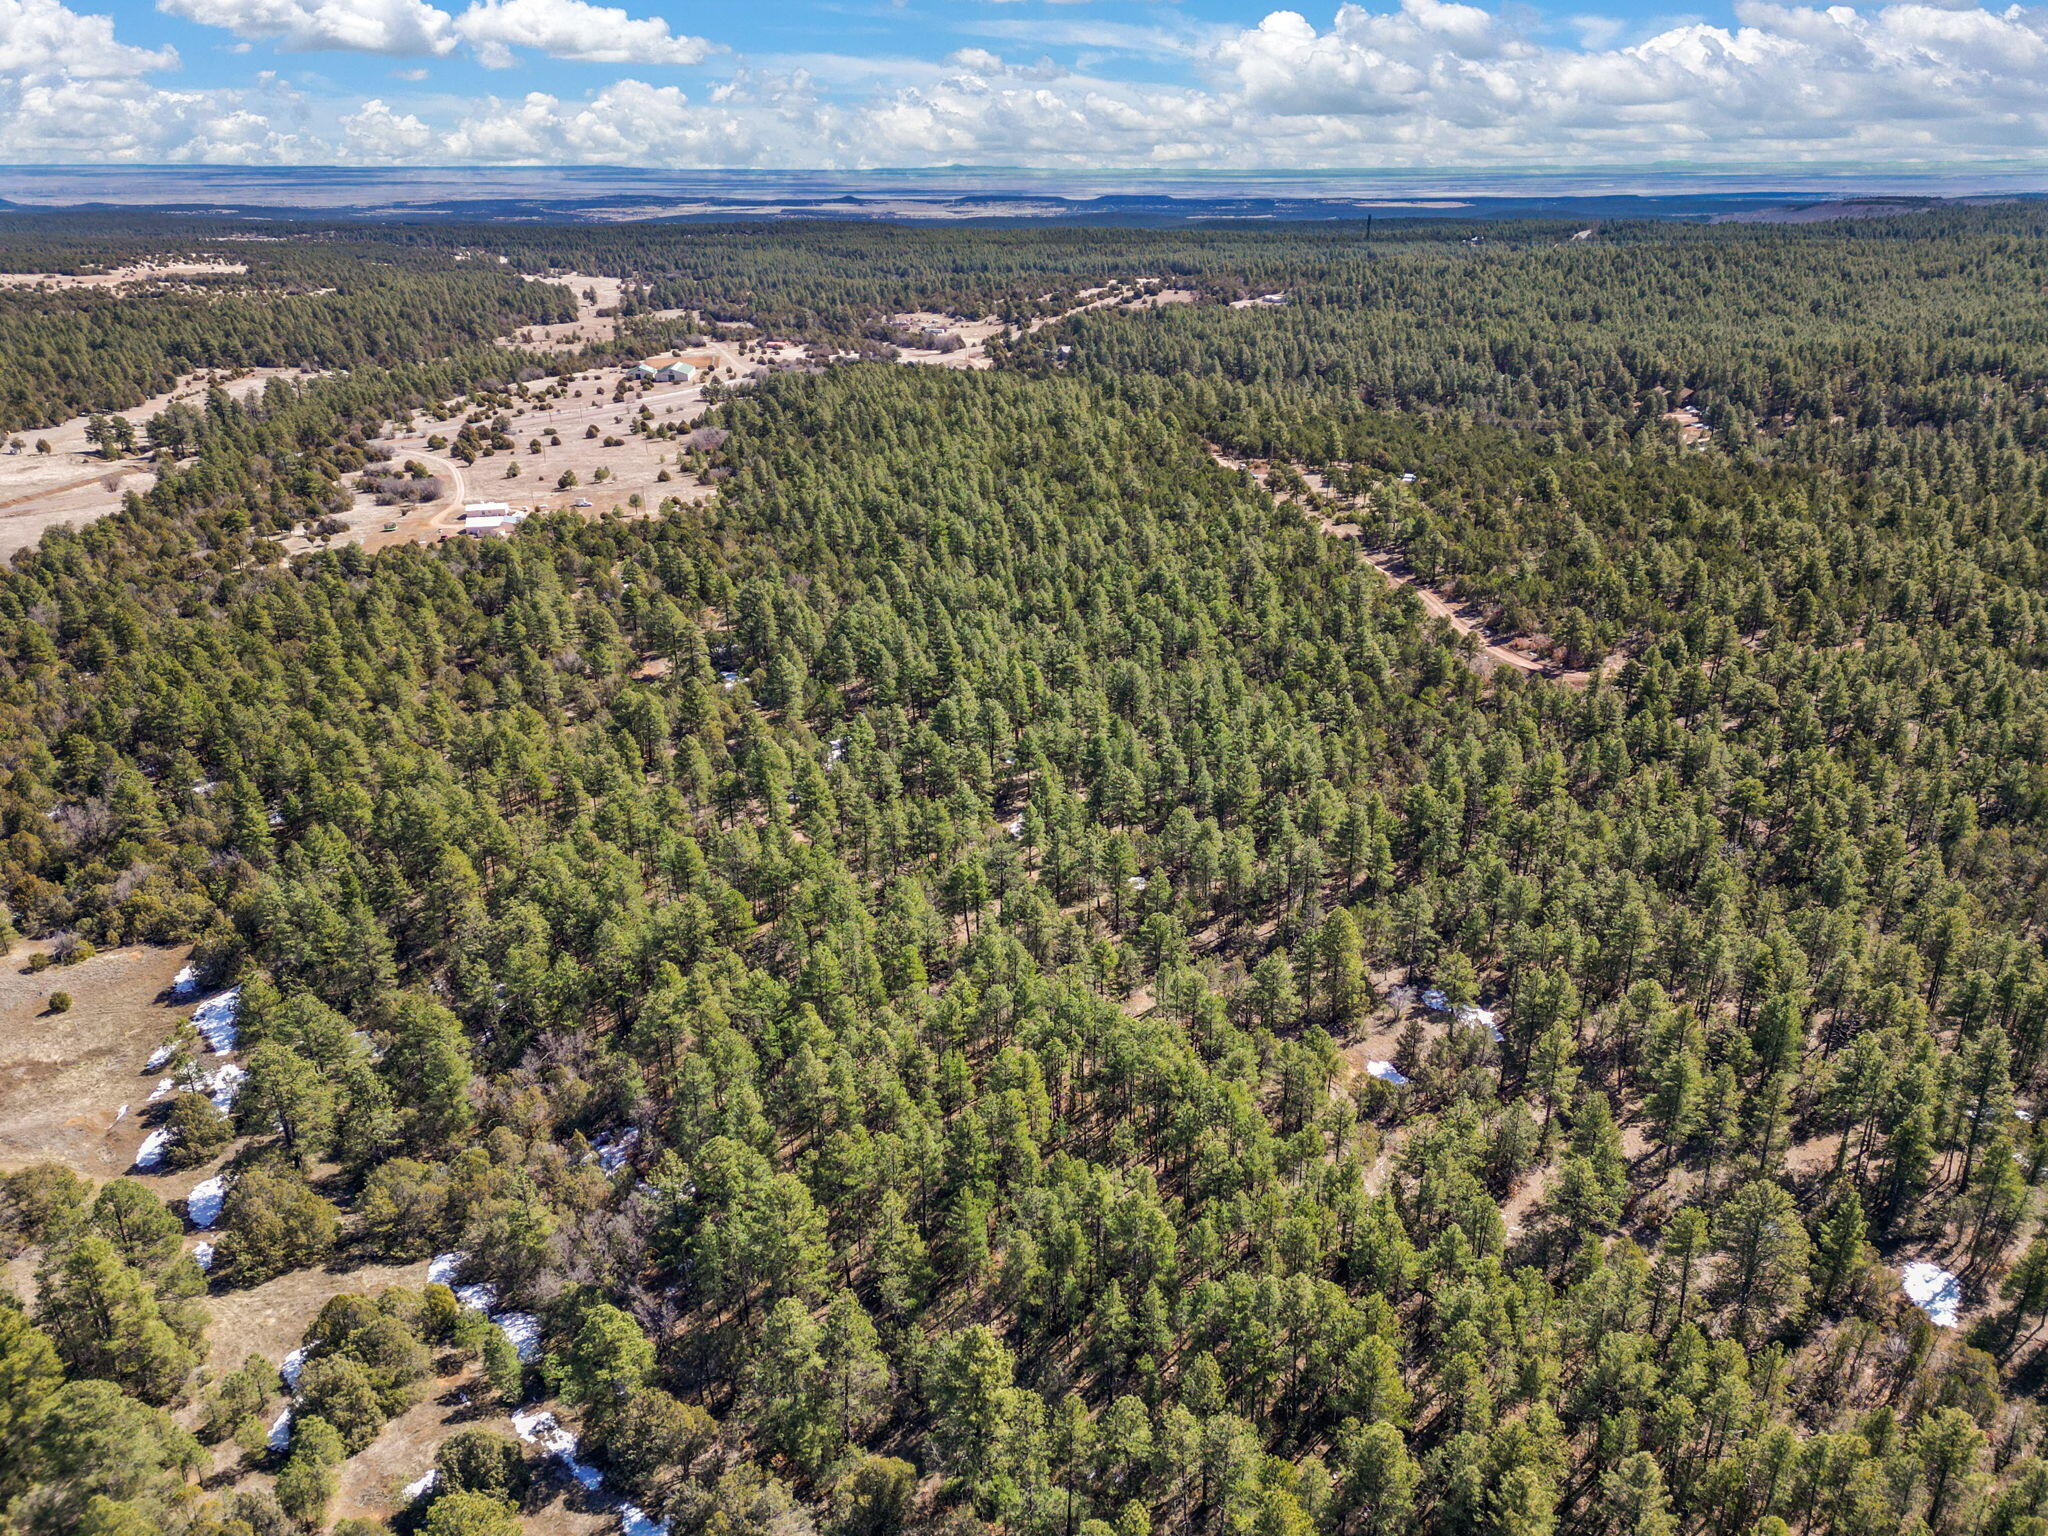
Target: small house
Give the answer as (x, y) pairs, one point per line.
(666, 370)
(490, 519)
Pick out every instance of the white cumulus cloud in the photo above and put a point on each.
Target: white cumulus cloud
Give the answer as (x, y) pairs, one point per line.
(573, 29)
(41, 37)
(405, 28)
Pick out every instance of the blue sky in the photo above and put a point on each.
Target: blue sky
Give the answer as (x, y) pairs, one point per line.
(1064, 84)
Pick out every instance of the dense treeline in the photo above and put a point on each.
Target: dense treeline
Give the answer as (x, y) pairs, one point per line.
(68, 352)
(919, 965)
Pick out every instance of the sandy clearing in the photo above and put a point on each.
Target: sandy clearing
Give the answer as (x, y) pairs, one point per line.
(139, 272)
(635, 464)
(977, 334)
(592, 295)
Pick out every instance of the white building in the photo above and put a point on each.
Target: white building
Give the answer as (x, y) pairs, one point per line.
(496, 518)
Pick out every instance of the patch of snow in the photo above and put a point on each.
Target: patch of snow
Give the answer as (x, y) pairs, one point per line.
(523, 1329)
(1435, 1001)
(1137, 882)
(292, 1368)
(541, 1428)
(164, 1089)
(729, 680)
(119, 1115)
(154, 1145)
(1015, 827)
(1934, 1291)
(480, 1297)
(203, 1255)
(223, 1085)
(835, 749)
(538, 1427)
(185, 983)
(159, 1056)
(613, 1150)
(2025, 1115)
(280, 1436)
(1387, 1072)
(215, 1019)
(1480, 1018)
(420, 1486)
(202, 1206)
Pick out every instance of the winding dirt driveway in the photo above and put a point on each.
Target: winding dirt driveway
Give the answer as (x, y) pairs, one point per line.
(1490, 652)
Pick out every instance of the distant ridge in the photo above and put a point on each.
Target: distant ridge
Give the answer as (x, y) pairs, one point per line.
(596, 194)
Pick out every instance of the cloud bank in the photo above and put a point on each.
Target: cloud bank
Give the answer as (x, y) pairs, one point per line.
(1418, 83)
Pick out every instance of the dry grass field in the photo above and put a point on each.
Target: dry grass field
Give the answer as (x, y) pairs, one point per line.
(72, 1085)
(72, 483)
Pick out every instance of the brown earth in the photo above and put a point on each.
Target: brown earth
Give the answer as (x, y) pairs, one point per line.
(271, 1319)
(66, 1079)
(634, 466)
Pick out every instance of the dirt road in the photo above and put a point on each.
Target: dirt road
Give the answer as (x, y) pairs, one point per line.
(977, 334)
(1490, 652)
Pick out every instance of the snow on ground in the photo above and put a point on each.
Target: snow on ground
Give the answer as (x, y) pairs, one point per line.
(203, 1255)
(280, 1437)
(216, 1019)
(159, 1056)
(613, 1149)
(1481, 1018)
(420, 1486)
(522, 1328)
(1934, 1291)
(151, 1153)
(1435, 1001)
(541, 1428)
(223, 1085)
(1387, 1072)
(293, 1367)
(185, 983)
(538, 1427)
(202, 1206)
(163, 1090)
